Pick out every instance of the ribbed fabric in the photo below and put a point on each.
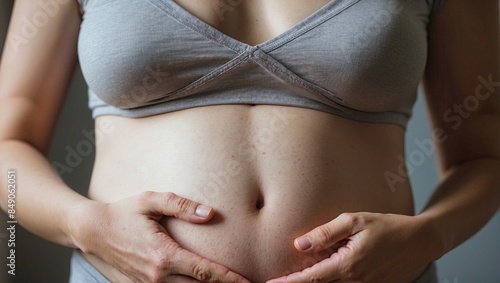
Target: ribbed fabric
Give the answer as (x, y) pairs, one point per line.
(360, 59)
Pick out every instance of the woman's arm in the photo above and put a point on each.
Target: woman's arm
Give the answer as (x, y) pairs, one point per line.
(462, 92)
(37, 64)
(463, 96)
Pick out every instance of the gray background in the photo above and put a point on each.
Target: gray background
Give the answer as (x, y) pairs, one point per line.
(477, 260)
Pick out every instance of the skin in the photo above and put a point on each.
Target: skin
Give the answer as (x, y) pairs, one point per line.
(380, 228)
(31, 96)
(467, 195)
(289, 173)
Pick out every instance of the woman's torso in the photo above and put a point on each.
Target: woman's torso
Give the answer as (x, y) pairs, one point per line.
(270, 172)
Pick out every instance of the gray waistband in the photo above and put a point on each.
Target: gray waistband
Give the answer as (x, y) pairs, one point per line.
(83, 272)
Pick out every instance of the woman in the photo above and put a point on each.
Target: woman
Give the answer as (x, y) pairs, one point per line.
(255, 140)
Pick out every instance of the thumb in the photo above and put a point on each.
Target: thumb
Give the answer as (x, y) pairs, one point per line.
(170, 204)
(329, 235)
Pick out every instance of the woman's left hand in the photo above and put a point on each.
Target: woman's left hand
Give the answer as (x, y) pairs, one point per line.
(372, 247)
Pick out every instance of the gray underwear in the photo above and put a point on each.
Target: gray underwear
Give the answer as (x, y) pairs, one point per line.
(361, 60)
(83, 272)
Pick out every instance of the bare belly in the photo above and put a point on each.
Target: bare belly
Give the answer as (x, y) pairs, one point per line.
(271, 173)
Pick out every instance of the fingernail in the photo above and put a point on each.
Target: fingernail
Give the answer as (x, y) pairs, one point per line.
(203, 211)
(303, 243)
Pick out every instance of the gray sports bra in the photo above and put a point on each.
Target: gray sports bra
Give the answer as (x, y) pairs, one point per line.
(359, 59)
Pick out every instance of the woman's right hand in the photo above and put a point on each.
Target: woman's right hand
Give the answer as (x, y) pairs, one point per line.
(35, 71)
(127, 235)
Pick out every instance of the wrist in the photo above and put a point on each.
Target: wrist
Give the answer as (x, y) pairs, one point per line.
(81, 223)
(430, 236)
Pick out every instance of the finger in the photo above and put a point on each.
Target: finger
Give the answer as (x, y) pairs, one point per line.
(170, 204)
(327, 270)
(204, 270)
(330, 234)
